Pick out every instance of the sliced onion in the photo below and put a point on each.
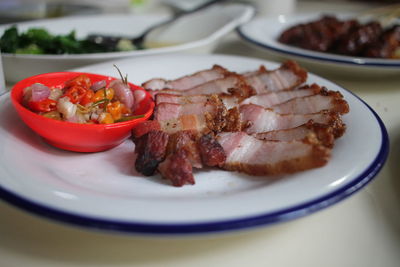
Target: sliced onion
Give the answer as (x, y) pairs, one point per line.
(98, 85)
(39, 92)
(123, 93)
(139, 95)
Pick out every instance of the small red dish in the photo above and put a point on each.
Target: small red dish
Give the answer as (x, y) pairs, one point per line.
(74, 136)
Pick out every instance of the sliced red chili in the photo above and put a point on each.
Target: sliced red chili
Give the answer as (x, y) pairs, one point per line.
(81, 80)
(87, 98)
(75, 93)
(44, 105)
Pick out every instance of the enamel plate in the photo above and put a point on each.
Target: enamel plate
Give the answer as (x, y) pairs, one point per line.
(263, 32)
(103, 191)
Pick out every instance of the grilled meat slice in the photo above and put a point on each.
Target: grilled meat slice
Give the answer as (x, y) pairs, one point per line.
(185, 151)
(250, 155)
(319, 35)
(355, 41)
(187, 140)
(257, 119)
(168, 111)
(228, 100)
(186, 122)
(323, 132)
(182, 155)
(187, 82)
(270, 99)
(180, 99)
(386, 46)
(201, 123)
(232, 84)
(233, 121)
(151, 150)
(210, 114)
(212, 153)
(145, 127)
(177, 168)
(326, 100)
(288, 76)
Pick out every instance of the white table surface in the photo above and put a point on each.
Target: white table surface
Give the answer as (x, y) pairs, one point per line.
(363, 230)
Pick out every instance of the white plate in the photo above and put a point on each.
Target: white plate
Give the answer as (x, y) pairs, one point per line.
(101, 190)
(263, 32)
(197, 32)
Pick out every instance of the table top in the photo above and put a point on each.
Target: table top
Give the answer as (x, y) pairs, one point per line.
(363, 230)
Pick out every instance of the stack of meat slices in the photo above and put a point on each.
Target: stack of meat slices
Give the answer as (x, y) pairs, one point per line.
(264, 122)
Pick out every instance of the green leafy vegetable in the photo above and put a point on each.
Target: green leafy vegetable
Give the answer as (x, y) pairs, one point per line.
(101, 101)
(30, 49)
(9, 42)
(40, 41)
(128, 118)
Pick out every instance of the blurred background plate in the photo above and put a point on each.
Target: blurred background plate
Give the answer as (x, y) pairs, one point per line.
(263, 32)
(197, 32)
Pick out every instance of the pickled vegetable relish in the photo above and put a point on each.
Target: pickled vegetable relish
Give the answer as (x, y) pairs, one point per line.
(82, 101)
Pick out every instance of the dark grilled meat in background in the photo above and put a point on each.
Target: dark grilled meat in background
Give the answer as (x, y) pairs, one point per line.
(345, 37)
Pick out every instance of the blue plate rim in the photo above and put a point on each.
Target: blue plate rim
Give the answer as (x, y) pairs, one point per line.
(268, 218)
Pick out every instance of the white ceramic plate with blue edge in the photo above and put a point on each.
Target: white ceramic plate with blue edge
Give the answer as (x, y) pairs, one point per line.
(263, 32)
(199, 32)
(103, 191)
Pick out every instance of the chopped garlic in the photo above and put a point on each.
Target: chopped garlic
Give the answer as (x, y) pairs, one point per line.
(67, 108)
(55, 94)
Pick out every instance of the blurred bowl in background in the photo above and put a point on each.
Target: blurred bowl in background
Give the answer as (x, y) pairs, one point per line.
(14, 11)
(198, 32)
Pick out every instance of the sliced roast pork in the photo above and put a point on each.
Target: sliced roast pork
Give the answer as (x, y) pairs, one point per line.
(247, 154)
(186, 122)
(228, 100)
(270, 99)
(288, 76)
(177, 168)
(186, 139)
(185, 152)
(180, 99)
(187, 82)
(232, 84)
(201, 123)
(332, 101)
(211, 152)
(323, 132)
(151, 150)
(168, 111)
(257, 119)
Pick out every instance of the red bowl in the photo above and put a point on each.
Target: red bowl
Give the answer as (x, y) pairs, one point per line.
(75, 136)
